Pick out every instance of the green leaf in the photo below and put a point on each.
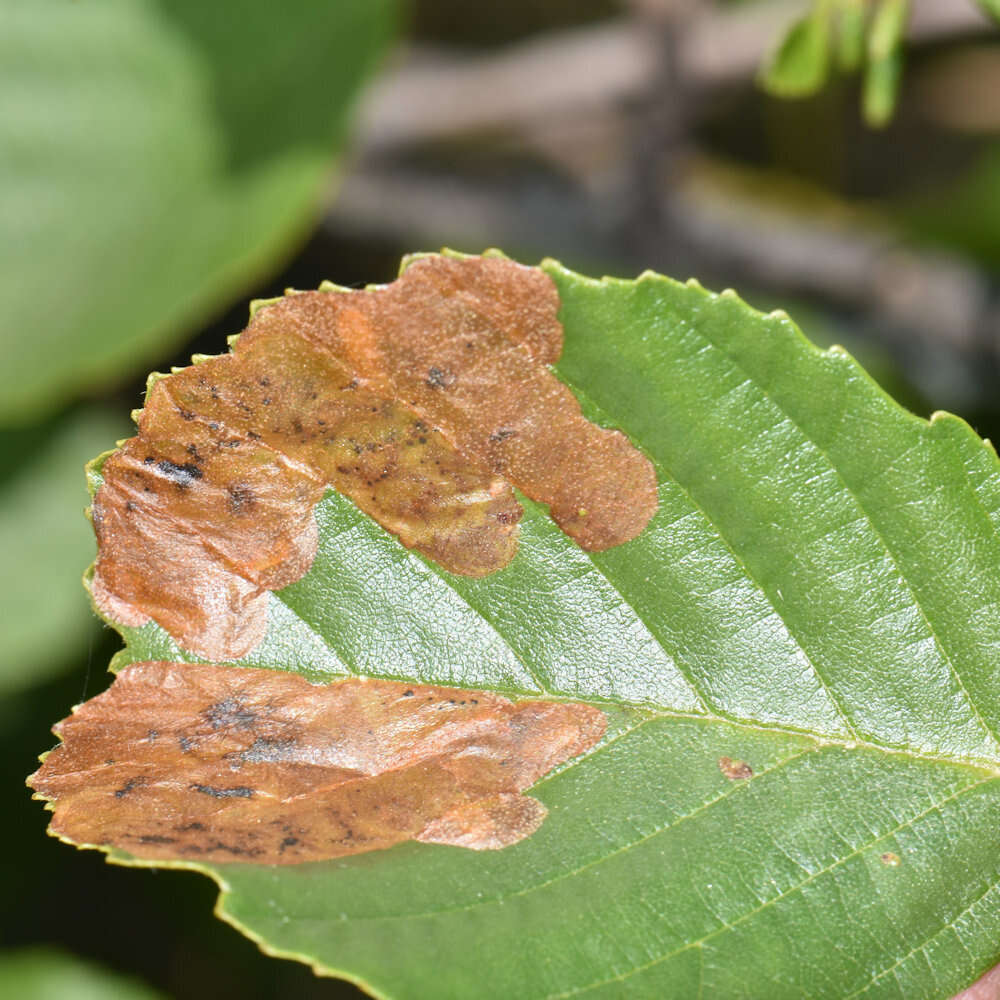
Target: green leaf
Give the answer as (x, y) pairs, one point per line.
(800, 66)
(801, 63)
(851, 22)
(46, 974)
(885, 62)
(156, 158)
(817, 596)
(42, 534)
(992, 7)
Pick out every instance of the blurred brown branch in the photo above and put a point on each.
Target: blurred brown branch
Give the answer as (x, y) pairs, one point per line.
(433, 93)
(610, 111)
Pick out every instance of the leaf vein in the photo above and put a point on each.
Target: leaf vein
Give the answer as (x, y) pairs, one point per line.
(666, 472)
(826, 869)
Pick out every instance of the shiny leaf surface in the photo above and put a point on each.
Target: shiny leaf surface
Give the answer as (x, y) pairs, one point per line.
(798, 792)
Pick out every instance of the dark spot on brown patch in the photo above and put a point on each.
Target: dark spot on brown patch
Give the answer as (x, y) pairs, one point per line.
(129, 786)
(182, 474)
(890, 859)
(735, 770)
(438, 378)
(236, 792)
(230, 713)
(242, 498)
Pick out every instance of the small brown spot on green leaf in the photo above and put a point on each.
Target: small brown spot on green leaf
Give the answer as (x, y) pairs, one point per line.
(735, 770)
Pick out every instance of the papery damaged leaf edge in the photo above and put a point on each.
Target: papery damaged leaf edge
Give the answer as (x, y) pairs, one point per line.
(424, 402)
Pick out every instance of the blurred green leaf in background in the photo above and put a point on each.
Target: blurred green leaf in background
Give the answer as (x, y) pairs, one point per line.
(849, 34)
(44, 535)
(47, 974)
(155, 158)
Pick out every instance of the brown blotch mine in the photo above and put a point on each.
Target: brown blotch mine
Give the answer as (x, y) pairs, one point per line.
(424, 401)
(735, 770)
(890, 859)
(262, 766)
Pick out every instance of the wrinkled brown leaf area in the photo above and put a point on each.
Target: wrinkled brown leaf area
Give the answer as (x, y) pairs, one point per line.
(425, 401)
(200, 762)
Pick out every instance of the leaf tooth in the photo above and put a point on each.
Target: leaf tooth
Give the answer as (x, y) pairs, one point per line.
(257, 304)
(152, 379)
